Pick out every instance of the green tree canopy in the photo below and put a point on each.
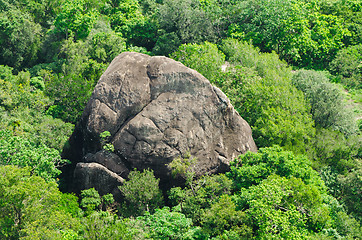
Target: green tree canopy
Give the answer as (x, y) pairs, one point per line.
(296, 30)
(74, 19)
(127, 19)
(42, 160)
(347, 66)
(182, 22)
(166, 224)
(252, 168)
(31, 208)
(327, 102)
(20, 39)
(23, 105)
(205, 191)
(141, 192)
(283, 197)
(260, 88)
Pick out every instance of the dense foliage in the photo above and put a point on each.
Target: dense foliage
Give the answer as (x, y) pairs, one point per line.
(260, 88)
(291, 68)
(141, 193)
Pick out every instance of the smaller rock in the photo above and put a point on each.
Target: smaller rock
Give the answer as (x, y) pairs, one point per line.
(108, 160)
(88, 175)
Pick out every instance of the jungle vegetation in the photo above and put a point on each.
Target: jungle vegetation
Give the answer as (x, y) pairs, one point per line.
(291, 68)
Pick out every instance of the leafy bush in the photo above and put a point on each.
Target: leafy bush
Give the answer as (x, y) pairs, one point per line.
(105, 46)
(262, 92)
(332, 148)
(166, 224)
(18, 151)
(327, 102)
(252, 168)
(91, 200)
(20, 39)
(347, 65)
(104, 225)
(104, 136)
(222, 216)
(37, 83)
(206, 58)
(141, 193)
(199, 195)
(32, 208)
(350, 188)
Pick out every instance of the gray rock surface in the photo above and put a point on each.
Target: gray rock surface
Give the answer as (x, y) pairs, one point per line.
(156, 109)
(88, 175)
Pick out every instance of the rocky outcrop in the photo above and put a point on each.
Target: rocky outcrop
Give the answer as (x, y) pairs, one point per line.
(156, 109)
(88, 175)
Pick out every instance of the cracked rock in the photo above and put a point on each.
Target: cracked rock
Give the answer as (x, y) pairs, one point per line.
(156, 109)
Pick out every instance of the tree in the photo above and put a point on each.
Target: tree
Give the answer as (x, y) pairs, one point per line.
(185, 22)
(296, 30)
(105, 46)
(222, 216)
(74, 20)
(281, 208)
(32, 208)
(23, 105)
(260, 88)
(351, 12)
(104, 225)
(206, 58)
(42, 161)
(347, 66)
(252, 168)
(20, 39)
(326, 99)
(206, 191)
(41, 11)
(141, 193)
(283, 197)
(166, 224)
(70, 93)
(126, 18)
(71, 88)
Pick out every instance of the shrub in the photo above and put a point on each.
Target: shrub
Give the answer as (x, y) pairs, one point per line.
(327, 103)
(141, 193)
(347, 65)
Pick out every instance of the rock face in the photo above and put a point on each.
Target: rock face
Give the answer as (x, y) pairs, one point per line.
(156, 109)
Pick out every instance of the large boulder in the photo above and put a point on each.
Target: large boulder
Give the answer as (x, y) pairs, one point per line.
(156, 110)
